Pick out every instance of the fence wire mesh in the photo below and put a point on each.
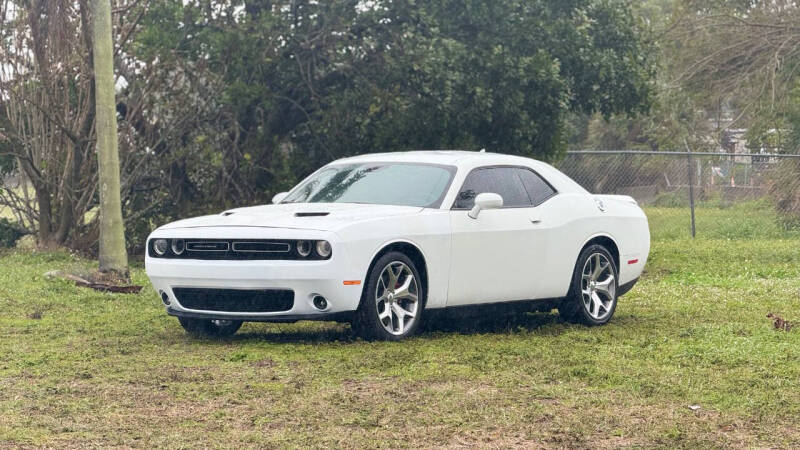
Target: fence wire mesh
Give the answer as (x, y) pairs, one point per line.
(735, 196)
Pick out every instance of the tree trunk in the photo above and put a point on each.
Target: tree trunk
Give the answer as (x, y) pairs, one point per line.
(112, 255)
(45, 218)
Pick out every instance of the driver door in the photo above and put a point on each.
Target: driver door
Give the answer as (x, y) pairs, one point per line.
(494, 257)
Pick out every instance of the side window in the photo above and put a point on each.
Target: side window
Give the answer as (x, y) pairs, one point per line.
(537, 188)
(499, 180)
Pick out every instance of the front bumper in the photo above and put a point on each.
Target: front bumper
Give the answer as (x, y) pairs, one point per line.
(306, 279)
(344, 316)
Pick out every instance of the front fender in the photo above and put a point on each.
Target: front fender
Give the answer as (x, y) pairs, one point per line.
(428, 231)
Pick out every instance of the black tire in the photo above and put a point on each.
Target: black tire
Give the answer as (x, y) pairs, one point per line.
(367, 323)
(576, 307)
(210, 328)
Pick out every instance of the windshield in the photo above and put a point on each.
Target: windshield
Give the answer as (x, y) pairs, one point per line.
(401, 184)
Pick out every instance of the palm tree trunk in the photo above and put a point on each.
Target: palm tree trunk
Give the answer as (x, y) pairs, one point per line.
(112, 256)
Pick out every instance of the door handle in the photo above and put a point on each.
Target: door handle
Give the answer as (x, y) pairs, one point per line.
(536, 220)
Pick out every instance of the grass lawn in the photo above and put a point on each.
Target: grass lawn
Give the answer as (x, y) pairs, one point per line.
(80, 368)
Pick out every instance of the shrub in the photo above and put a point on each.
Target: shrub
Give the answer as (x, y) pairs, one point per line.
(9, 233)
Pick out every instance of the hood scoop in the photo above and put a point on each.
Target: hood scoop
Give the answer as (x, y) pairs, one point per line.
(311, 214)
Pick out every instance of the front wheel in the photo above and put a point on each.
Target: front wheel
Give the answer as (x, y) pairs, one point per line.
(392, 303)
(593, 294)
(210, 328)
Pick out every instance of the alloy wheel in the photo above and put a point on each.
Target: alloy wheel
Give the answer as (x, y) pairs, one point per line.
(397, 298)
(598, 287)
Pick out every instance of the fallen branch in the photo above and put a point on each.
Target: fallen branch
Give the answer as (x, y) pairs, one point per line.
(98, 286)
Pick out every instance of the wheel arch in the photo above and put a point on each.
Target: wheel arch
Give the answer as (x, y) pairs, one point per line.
(607, 242)
(411, 250)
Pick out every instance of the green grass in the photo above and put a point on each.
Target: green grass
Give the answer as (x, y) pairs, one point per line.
(749, 220)
(80, 368)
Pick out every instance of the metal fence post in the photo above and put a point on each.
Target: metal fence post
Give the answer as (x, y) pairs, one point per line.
(691, 184)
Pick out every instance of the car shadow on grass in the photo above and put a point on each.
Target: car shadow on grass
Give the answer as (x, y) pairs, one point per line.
(498, 323)
(436, 326)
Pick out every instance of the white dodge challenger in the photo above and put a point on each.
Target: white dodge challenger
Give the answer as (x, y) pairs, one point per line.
(380, 240)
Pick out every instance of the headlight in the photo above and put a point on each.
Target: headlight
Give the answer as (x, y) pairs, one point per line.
(324, 248)
(303, 248)
(178, 245)
(160, 246)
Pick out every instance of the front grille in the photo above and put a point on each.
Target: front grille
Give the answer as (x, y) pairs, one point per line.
(207, 246)
(262, 247)
(235, 300)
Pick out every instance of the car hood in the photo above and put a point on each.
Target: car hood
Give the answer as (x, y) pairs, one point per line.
(302, 216)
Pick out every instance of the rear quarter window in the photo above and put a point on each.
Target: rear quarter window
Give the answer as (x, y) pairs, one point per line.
(537, 188)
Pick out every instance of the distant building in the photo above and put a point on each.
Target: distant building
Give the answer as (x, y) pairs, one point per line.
(734, 140)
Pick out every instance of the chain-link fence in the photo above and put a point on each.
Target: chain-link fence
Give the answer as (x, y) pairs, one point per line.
(712, 195)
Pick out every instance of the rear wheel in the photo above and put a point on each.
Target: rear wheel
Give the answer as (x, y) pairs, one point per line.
(392, 302)
(593, 294)
(210, 328)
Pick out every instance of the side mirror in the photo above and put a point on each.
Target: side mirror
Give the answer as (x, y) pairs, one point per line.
(277, 198)
(487, 200)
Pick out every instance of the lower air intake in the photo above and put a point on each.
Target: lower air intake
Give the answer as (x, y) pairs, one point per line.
(235, 300)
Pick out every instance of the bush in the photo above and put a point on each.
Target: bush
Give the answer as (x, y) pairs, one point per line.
(9, 233)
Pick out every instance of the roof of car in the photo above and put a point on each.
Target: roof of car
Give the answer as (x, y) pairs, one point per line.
(468, 160)
(438, 157)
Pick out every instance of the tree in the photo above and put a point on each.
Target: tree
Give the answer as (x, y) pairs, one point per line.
(112, 255)
(303, 82)
(48, 112)
(742, 57)
(724, 64)
(47, 115)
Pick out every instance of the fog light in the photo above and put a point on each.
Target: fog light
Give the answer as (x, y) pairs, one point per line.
(320, 303)
(165, 298)
(160, 246)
